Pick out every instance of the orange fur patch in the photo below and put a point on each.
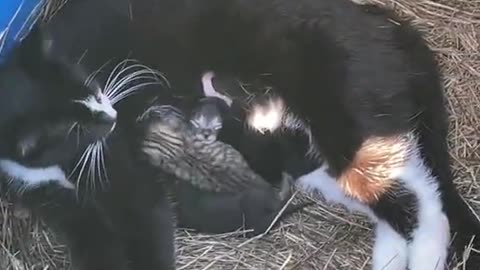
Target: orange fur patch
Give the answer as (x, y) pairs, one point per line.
(369, 176)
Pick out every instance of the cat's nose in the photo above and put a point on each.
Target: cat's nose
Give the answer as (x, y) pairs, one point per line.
(104, 123)
(106, 118)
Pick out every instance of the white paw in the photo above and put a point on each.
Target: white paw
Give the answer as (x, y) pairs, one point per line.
(429, 247)
(319, 181)
(390, 251)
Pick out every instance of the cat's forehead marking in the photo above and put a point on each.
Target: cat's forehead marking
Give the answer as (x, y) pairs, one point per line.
(99, 103)
(202, 120)
(206, 121)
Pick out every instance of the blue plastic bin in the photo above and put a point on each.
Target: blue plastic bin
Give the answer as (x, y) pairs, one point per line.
(16, 20)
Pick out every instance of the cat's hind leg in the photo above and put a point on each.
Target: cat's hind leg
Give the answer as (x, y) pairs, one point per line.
(390, 248)
(428, 249)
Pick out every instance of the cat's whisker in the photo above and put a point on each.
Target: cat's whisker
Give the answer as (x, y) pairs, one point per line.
(91, 174)
(94, 74)
(143, 74)
(130, 92)
(117, 84)
(78, 135)
(102, 163)
(119, 69)
(98, 172)
(118, 81)
(77, 164)
(70, 130)
(113, 83)
(121, 85)
(114, 75)
(86, 156)
(97, 163)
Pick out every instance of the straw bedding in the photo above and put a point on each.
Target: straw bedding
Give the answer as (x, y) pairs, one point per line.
(324, 237)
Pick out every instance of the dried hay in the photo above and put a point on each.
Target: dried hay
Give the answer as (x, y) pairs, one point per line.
(324, 237)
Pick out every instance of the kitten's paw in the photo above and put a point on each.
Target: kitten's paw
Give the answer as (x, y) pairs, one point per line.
(390, 250)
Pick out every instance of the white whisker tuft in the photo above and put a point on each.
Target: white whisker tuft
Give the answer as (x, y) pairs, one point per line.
(93, 75)
(102, 168)
(120, 81)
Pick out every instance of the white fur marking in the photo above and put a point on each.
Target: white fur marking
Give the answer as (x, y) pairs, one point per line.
(319, 180)
(390, 251)
(103, 106)
(429, 247)
(293, 122)
(360, 2)
(202, 121)
(209, 90)
(34, 177)
(267, 117)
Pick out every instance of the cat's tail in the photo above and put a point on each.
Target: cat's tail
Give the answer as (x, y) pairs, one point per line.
(432, 128)
(464, 224)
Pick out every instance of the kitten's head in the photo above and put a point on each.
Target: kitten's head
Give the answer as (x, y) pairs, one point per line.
(206, 120)
(166, 119)
(164, 133)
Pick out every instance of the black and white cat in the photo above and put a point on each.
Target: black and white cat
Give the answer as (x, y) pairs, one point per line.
(68, 146)
(368, 88)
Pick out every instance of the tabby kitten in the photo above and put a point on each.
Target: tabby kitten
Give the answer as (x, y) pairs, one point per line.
(206, 121)
(234, 196)
(170, 147)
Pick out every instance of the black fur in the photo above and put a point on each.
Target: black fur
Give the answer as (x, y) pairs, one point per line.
(252, 210)
(125, 224)
(347, 69)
